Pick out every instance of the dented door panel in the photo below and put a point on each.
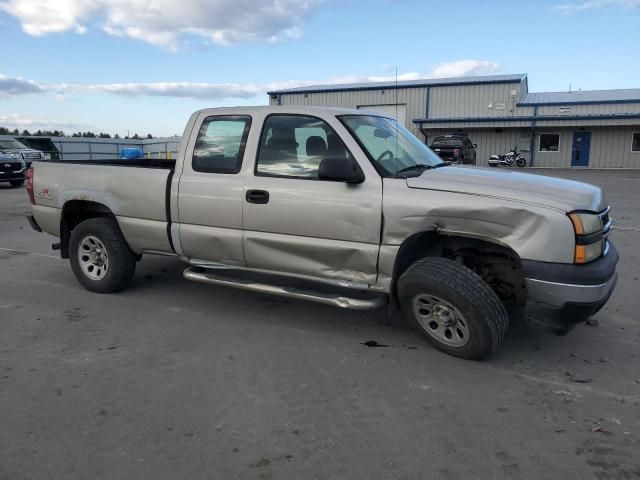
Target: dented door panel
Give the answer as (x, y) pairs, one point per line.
(326, 229)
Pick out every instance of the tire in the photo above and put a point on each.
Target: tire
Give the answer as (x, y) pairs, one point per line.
(448, 292)
(17, 183)
(521, 162)
(493, 165)
(101, 259)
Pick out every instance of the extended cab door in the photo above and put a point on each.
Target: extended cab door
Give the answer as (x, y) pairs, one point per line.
(210, 190)
(296, 223)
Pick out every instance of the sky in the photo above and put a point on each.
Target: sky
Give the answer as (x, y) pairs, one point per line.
(144, 66)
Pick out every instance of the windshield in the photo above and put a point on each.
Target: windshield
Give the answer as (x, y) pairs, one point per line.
(393, 149)
(11, 144)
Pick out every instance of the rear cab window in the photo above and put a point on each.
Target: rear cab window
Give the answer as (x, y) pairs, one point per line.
(221, 143)
(447, 142)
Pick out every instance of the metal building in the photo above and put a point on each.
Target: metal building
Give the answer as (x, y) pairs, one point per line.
(597, 129)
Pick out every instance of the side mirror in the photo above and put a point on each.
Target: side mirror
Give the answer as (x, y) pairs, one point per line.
(340, 170)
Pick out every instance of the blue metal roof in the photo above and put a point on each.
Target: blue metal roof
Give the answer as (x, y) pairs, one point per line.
(629, 95)
(527, 118)
(424, 82)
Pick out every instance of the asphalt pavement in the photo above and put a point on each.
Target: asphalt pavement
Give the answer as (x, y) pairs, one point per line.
(177, 380)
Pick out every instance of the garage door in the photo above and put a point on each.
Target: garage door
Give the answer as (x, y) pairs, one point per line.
(389, 111)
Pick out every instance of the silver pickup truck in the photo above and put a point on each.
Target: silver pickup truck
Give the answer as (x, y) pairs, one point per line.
(343, 207)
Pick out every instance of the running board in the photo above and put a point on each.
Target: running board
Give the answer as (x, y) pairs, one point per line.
(197, 275)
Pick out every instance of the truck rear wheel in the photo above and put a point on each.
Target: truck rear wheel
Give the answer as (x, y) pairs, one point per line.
(101, 259)
(456, 310)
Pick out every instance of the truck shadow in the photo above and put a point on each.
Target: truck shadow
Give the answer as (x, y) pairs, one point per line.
(161, 277)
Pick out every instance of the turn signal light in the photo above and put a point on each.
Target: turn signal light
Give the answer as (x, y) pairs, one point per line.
(577, 223)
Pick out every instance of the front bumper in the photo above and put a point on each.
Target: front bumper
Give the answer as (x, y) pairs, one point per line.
(10, 175)
(560, 296)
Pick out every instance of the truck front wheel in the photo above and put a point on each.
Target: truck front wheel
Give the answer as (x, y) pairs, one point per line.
(457, 311)
(100, 257)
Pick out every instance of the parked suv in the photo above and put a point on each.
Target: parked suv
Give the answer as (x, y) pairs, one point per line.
(455, 149)
(19, 151)
(12, 170)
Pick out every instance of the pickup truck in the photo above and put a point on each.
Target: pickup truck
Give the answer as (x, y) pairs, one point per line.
(342, 207)
(19, 151)
(455, 149)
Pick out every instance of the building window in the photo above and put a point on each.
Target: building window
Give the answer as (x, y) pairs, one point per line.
(635, 142)
(549, 142)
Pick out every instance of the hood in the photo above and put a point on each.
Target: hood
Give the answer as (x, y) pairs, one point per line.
(565, 195)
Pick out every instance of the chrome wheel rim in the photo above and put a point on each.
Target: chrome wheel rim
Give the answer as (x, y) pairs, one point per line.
(93, 258)
(441, 320)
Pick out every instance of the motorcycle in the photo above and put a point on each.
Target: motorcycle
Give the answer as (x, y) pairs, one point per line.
(508, 159)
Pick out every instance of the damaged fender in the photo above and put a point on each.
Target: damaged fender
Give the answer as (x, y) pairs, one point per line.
(533, 232)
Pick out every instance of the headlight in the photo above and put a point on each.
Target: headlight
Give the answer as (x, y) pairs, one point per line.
(589, 236)
(585, 223)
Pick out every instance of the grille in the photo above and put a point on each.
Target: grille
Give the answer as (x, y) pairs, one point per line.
(607, 223)
(10, 166)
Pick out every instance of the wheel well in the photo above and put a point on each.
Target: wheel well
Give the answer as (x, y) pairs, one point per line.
(497, 264)
(74, 212)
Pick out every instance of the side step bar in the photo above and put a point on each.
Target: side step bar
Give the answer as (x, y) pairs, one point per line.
(197, 275)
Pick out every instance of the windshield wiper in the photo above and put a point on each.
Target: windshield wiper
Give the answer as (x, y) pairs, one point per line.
(419, 166)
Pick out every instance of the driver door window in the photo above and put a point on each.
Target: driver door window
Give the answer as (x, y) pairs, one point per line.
(292, 146)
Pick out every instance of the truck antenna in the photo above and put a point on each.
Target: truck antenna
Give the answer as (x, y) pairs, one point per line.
(397, 132)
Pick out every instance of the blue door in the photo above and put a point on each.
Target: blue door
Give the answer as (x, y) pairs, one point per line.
(580, 149)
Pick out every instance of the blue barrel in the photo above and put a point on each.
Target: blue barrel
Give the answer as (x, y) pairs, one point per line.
(131, 153)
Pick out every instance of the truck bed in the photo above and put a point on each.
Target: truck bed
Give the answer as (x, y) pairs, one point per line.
(135, 191)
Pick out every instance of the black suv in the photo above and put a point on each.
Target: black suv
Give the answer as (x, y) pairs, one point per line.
(455, 149)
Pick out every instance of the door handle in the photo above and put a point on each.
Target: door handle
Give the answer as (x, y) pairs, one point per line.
(257, 196)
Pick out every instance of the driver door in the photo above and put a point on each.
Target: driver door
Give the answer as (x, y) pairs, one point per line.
(296, 223)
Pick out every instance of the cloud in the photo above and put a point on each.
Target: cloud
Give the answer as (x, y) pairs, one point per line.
(27, 122)
(10, 86)
(198, 90)
(215, 91)
(461, 68)
(221, 91)
(166, 22)
(595, 4)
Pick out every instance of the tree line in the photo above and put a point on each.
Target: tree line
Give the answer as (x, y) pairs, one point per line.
(60, 133)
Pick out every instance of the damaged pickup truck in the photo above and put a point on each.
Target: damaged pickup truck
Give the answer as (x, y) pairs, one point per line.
(341, 207)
